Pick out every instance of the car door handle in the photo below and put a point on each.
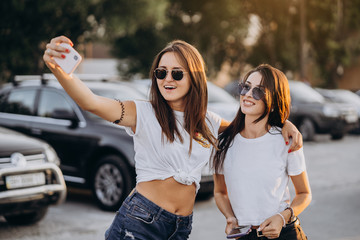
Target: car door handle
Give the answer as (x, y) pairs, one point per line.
(36, 131)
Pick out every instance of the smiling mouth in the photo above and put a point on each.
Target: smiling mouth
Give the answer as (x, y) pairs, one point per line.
(169, 87)
(248, 103)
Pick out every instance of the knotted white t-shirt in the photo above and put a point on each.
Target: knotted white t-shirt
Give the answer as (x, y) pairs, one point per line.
(156, 158)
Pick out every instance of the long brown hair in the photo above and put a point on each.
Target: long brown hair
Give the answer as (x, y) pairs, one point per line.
(195, 100)
(277, 105)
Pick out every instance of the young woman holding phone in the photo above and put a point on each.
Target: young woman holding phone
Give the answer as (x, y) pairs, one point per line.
(253, 165)
(173, 138)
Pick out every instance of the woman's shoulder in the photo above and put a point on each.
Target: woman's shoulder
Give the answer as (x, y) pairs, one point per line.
(214, 121)
(213, 116)
(143, 105)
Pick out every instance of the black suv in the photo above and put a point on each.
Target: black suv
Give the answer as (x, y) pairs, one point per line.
(312, 113)
(30, 179)
(94, 153)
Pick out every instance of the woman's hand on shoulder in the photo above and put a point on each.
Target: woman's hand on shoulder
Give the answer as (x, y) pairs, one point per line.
(271, 227)
(290, 131)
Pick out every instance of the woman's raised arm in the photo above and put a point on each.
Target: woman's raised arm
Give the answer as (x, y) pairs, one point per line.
(122, 113)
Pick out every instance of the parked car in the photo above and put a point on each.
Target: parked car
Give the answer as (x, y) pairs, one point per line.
(358, 92)
(312, 113)
(30, 179)
(95, 154)
(342, 96)
(233, 89)
(221, 102)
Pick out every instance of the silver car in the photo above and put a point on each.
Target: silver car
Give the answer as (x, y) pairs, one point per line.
(30, 179)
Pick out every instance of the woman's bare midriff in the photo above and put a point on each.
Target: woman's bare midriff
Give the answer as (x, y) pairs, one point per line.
(170, 195)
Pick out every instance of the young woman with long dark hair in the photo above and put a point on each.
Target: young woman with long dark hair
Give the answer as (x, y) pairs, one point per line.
(253, 165)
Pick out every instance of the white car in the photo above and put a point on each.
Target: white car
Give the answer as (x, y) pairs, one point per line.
(30, 179)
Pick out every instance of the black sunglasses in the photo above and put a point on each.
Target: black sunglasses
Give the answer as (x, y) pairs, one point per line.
(176, 74)
(257, 93)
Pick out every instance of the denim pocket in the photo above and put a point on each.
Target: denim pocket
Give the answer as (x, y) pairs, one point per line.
(141, 213)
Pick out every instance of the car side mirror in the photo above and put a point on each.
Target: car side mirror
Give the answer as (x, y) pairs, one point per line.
(67, 115)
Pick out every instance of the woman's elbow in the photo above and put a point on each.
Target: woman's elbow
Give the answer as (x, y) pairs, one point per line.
(309, 197)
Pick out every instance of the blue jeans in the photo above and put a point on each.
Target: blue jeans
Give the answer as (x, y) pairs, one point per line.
(139, 218)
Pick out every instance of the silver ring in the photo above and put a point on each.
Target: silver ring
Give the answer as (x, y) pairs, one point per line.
(48, 51)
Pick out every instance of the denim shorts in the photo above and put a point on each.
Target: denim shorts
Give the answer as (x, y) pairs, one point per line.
(139, 218)
(292, 231)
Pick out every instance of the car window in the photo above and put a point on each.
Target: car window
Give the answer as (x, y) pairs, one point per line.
(348, 97)
(123, 93)
(219, 95)
(300, 92)
(52, 101)
(19, 101)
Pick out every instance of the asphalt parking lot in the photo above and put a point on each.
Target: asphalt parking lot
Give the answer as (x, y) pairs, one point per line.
(334, 213)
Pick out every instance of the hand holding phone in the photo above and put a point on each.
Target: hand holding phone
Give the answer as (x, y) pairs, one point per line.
(71, 61)
(239, 232)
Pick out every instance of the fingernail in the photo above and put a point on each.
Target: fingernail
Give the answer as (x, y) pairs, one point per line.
(62, 55)
(289, 151)
(67, 50)
(287, 143)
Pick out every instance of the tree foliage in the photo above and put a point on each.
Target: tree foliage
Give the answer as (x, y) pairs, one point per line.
(26, 25)
(334, 36)
(278, 42)
(138, 29)
(215, 27)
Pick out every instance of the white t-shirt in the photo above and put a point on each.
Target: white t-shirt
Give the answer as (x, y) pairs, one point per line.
(257, 174)
(157, 159)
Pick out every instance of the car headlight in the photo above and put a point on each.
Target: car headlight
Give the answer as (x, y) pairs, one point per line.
(51, 155)
(330, 111)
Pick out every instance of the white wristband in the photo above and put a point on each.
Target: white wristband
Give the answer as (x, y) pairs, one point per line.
(282, 219)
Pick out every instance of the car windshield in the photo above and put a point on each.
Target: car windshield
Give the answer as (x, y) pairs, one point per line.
(300, 92)
(347, 97)
(218, 95)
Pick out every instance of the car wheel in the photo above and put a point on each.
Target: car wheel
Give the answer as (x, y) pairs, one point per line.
(27, 218)
(112, 182)
(307, 129)
(337, 135)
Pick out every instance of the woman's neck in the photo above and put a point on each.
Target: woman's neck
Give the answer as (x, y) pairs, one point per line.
(255, 130)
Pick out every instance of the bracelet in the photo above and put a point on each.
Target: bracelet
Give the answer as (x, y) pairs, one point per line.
(282, 218)
(122, 112)
(292, 213)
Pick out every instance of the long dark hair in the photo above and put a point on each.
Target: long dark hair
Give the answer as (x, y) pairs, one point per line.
(195, 100)
(277, 105)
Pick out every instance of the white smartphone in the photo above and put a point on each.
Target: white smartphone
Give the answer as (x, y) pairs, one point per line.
(239, 232)
(71, 60)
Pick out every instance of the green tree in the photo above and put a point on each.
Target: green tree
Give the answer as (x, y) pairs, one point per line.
(133, 28)
(278, 40)
(334, 35)
(27, 25)
(217, 28)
